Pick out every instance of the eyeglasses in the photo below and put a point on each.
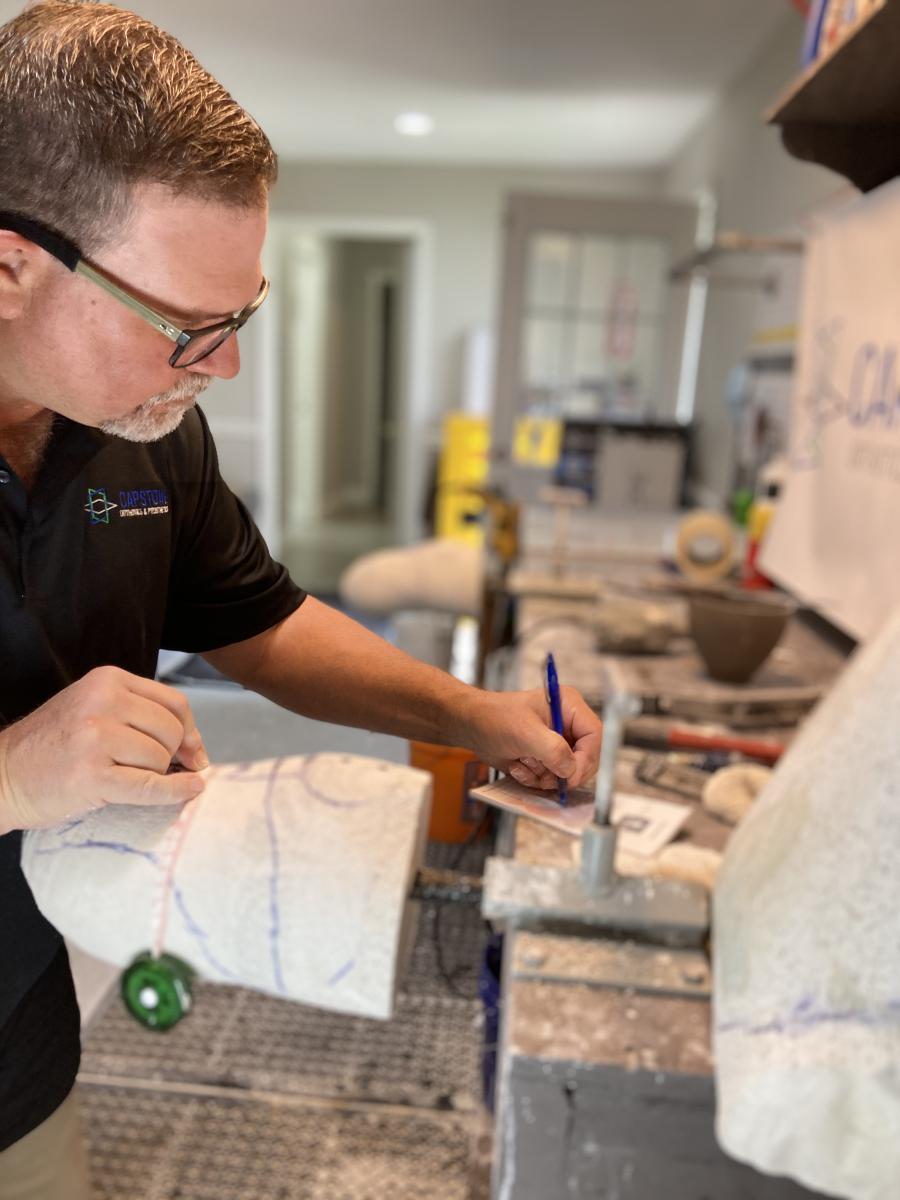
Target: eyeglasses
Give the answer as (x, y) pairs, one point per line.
(191, 345)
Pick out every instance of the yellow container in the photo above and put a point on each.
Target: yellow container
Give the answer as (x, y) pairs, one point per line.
(462, 471)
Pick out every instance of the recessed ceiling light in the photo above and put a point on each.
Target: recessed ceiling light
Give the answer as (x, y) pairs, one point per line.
(414, 124)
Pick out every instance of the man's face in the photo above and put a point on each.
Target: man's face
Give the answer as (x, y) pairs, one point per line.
(81, 353)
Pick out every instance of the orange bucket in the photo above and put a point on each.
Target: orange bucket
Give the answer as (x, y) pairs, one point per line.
(453, 815)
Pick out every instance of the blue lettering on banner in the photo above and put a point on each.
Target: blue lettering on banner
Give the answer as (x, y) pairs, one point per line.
(873, 386)
(871, 398)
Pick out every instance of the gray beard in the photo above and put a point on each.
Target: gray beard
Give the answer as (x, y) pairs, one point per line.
(160, 414)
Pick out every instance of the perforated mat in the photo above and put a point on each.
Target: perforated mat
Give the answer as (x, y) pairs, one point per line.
(257, 1098)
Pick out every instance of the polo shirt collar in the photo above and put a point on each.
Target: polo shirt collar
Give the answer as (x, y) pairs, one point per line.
(70, 448)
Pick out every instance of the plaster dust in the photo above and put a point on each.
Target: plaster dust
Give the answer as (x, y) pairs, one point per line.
(807, 967)
(608, 1026)
(288, 875)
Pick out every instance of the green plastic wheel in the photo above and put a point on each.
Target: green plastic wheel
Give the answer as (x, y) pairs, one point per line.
(157, 991)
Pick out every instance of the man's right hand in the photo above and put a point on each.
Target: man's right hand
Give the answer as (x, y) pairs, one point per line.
(110, 738)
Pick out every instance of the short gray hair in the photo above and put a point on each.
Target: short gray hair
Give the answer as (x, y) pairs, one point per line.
(95, 100)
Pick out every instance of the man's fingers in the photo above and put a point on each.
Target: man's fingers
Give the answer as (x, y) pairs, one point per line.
(131, 785)
(555, 755)
(532, 774)
(190, 751)
(194, 758)
(547, 782)
(154, 720)
(169, 698)
(131, 748)
(585, 731)
(543, 777)
(585, 768)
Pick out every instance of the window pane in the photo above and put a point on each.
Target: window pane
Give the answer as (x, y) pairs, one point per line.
(598, 274)
(626, 371)
(543, 353)
(636, 378)
(645, 268)
(591, 363)
(549, 270)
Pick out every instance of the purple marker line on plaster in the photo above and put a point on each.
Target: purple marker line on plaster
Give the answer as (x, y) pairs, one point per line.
(250, 773)
(71, 824)
(342, 972)
(317, 793)
(94, 844)
(244, 772)
(799, 1022)
(274, 914)
(199, 935)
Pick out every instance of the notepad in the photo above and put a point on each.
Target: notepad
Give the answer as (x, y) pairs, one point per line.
(645, 825)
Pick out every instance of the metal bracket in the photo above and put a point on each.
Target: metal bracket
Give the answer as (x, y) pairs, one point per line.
(659, 911)
(627, 966)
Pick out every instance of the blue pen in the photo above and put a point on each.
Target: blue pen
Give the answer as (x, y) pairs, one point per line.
(555, 702)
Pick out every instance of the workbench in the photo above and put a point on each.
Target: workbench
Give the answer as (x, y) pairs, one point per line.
(605, 1076)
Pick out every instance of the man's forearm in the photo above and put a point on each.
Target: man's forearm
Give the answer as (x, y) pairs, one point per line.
(322, 664)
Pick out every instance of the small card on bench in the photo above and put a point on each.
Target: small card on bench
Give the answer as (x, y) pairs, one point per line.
(645, 825)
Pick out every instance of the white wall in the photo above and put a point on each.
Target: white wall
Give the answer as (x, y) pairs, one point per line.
(759, 189)
(463, 206)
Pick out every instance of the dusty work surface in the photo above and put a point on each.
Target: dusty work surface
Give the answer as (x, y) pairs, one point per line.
(799, 670)
(801, 667)
(256, 1097)
(564, 1021)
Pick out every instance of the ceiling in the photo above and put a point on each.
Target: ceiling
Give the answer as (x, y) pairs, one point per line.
(585, 83)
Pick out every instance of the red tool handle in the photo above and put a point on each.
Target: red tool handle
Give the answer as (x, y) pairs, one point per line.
(765, 749)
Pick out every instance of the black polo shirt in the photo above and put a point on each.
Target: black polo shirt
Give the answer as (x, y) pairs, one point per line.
(120, 549)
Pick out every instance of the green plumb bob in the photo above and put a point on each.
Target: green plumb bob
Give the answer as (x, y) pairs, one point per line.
(157, 991)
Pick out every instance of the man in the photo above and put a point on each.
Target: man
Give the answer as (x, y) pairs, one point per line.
(133, 201)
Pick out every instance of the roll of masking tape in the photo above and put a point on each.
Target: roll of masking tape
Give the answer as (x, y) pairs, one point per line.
(704, 547)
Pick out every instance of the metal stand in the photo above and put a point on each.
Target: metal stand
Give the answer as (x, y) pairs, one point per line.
(595, 900)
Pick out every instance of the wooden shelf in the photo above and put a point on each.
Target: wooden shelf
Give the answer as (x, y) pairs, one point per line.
(733, 243)
(843, 111)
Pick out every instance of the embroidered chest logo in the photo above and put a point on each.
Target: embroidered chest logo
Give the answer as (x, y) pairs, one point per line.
(98, 506)
(136, 502)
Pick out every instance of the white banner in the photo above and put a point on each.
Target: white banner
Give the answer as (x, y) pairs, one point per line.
(834, 540)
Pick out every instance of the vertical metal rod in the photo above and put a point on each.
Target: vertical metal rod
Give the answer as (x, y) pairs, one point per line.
(617, 709)
(598, 858)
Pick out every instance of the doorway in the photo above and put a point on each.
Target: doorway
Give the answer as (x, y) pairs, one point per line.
(351, 336)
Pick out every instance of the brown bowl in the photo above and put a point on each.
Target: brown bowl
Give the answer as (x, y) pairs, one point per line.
(735, 632)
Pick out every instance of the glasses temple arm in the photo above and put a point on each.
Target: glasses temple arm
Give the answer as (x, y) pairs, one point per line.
(149, 314)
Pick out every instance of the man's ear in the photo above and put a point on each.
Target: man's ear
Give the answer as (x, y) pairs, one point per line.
(23, 266)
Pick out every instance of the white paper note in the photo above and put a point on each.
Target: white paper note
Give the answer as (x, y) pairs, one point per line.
(645, 825)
